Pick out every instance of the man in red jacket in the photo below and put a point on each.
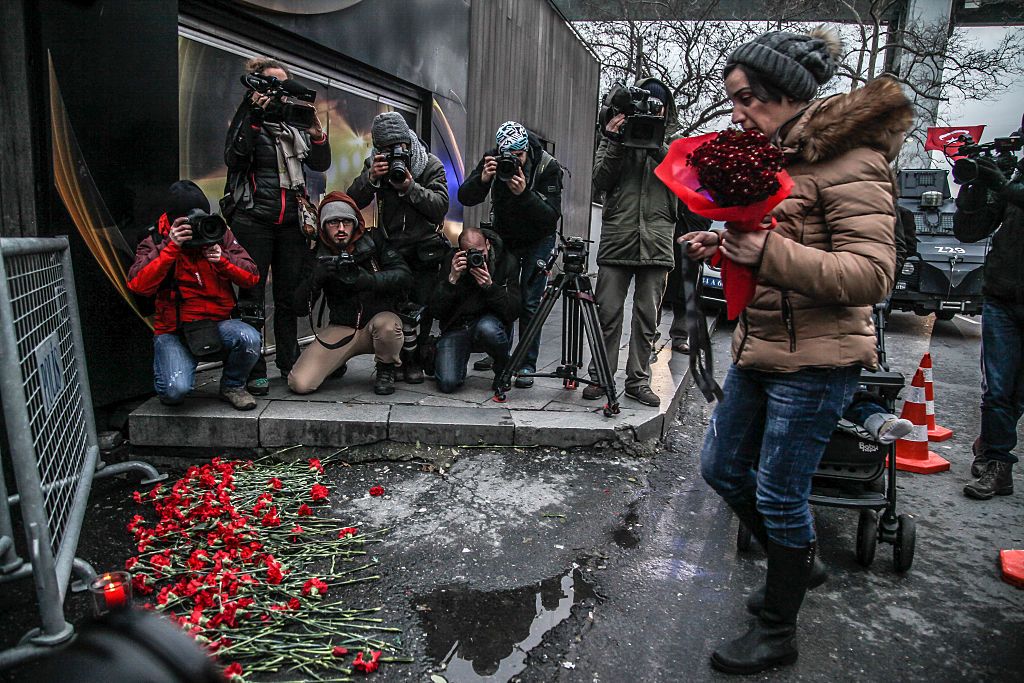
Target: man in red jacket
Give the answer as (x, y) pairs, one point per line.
(194, 284)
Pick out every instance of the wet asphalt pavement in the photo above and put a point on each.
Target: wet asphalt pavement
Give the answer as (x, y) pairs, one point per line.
(547, 565)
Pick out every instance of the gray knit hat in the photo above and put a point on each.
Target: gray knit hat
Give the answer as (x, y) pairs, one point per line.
(337, 209)
(390, 129)
(796, 64)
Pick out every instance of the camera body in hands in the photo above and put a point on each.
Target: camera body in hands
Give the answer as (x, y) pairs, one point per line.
(343, 267)
(290, 100)
(508, 166)
(1000, 150)
(207, 229)
(645, 118)
(476, 258)
(399, 161)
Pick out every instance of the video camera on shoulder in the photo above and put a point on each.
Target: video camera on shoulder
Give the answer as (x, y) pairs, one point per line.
(645, 116)
(344, 266)
(399, 160)
(1001, 150)
(207, 229)
(283, 108)
(508, 165)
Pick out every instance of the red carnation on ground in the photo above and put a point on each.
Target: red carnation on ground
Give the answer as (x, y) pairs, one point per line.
(366, 667)
(339, 651)
(305, 510)
(377, 490)
(318, 492)
(275, 484)
(315, 464)
(296, 532)
(233, 673)
(314, 588)
(271, 518)
(348, 531)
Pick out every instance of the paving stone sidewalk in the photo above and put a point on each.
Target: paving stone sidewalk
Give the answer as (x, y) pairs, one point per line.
(346, 412)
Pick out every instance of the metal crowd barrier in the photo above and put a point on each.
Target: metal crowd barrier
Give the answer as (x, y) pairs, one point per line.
(51, 434)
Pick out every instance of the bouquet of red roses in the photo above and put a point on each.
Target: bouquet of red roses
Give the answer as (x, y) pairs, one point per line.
(733, 176)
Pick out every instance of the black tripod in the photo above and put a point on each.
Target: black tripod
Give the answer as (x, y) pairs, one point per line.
(579, 319)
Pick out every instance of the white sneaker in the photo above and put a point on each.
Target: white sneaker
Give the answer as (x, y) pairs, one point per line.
(892, 429)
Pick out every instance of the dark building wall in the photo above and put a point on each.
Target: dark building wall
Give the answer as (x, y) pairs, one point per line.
(527, 65)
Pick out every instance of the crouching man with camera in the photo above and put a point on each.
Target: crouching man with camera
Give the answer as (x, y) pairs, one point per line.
(362, 280)
(524, 183)
(992, 204)
(188, 263)
(411, 189)
(476, 300)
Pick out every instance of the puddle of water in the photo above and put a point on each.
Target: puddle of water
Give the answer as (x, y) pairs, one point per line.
(486, 636)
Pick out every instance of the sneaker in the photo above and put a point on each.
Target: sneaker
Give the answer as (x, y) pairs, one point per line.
(412, 373)
(485, 363)
(593, 392)
(385, 383)
(893, 429)
(238, 397)
(259, 386)
(995, 480)
(978, 464)
(524, 380)
(645, 395)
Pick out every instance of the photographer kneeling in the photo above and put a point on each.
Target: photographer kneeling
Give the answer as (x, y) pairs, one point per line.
(362, 280)
(476, 300)
(191, 276)
(992, 204)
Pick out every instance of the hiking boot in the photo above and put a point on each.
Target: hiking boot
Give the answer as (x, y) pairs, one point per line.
(412, 373)
(484, 364)
(593, 392)
(645, 395)
(238, 397)
(524, 380)
(385, 383)
(978, 464)
(771, 639)
(995, 480)
(339, 373)
(258, 387)
(886, 428)
(681, 346)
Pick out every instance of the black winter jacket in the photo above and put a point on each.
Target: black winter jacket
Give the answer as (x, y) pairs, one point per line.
(251, 158)
(979, 213)
(531, 216)
(382, 284)
(465, 301)
(405, 219)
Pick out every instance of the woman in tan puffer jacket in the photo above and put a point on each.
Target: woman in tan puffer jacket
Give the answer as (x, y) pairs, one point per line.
(800, 345)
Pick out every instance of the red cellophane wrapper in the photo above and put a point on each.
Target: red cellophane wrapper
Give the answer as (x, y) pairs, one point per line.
(738, 280)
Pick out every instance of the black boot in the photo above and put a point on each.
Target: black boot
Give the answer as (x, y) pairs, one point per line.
(771, 640)
(412, 372)
(978, 464)
(385, 383)
(995, 480)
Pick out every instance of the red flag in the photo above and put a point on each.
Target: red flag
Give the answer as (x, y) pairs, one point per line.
(947, 139)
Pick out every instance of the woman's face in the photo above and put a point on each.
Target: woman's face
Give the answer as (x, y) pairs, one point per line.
(752, 113)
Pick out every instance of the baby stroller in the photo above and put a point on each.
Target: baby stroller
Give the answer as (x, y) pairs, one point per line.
(858, 473)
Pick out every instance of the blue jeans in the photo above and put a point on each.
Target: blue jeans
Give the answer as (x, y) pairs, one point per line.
(531, 294)
(781, 424)
(454, 347)
(863, 406)
(174, 366)
(1002, 364)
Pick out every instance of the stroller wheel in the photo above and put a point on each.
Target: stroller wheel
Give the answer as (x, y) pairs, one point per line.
(743, 538)
(867, 537)
(903, 548)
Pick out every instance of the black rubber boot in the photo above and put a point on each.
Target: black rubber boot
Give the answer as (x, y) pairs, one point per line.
(771, 639)
(819, 575)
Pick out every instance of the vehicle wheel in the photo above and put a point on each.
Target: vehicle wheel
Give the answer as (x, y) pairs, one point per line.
(867, 537)
(903, 548)
(743, 538)
(945, 315)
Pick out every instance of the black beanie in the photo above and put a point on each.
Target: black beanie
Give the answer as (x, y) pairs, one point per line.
(182, 197)
(797, 64)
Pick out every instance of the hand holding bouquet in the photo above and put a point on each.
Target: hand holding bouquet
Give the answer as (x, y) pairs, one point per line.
(733, 176)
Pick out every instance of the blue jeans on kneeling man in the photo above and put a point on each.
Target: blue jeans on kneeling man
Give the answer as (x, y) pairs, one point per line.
(487, 333)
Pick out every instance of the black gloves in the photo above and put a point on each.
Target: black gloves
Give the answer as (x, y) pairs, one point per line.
(990, 174)
(363, 281)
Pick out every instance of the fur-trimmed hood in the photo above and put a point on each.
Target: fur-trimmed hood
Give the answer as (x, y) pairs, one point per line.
(877, 115)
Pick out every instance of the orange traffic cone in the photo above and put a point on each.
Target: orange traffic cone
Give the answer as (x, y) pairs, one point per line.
(912, 454)
(935, 432)
(1012, 564)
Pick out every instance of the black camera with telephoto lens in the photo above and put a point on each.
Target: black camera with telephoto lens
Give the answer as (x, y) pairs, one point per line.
(1000, 150)
(343, 266)
(207, 229)
(399, 160)
(410, 314)
(290, 102)
(644, 127)
(508, 166)
(476, 258)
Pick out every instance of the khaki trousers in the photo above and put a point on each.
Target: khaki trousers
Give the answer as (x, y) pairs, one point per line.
(382, 337)
(649, 288)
